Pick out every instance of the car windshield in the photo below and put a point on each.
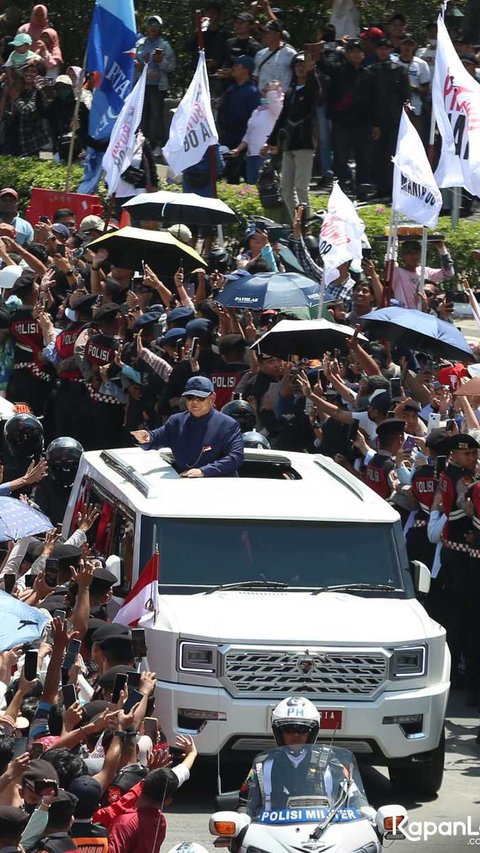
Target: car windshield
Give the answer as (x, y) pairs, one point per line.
(207, 553)
(301, 784)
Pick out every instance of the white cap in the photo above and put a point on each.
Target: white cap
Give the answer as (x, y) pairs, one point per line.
(9, 275)
(181, 232)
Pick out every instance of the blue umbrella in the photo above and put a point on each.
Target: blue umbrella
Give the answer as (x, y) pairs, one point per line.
(20, 623)
(270, 290)
(417, 331)
(18, 519)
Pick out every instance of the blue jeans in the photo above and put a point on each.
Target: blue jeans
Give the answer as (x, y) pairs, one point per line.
(254, 164)
(323, 148)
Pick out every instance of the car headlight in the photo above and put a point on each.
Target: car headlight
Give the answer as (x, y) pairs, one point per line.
(408, 662)
(198, 657)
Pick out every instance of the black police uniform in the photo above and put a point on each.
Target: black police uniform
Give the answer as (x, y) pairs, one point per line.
(104, 414)
(32, 377)
(378, 471)
(424, 484)
(71, 394)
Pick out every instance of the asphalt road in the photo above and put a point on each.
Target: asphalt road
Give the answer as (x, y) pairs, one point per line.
(459, 798)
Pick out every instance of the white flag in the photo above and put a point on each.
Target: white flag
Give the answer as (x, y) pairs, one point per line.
(456, 105)
(415, 192)
(341, 234)
(121, 147)
(193, 127)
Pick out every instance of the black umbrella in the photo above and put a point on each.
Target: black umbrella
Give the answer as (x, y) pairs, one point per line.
(305, 338)
(173, 208)
(130, 247)
(415, 330)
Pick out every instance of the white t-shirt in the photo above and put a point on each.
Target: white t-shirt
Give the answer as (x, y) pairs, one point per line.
(271, 65)
(366, 424)
(345, 18)
(261, 124)
(419, 75)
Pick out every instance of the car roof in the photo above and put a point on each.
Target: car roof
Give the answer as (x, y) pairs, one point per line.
(317, 488)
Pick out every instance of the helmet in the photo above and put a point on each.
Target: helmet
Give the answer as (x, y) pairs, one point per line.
(23, 436)
(295, 711)
(63, 457)
(188, 847)
(241, 412)
(256, 440)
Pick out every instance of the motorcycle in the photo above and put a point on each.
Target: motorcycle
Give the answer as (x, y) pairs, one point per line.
(307, 798)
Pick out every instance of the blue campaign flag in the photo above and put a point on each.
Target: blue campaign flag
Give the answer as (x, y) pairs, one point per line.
(110, 55)
(20, 623)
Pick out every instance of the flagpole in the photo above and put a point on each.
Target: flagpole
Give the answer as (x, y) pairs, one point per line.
(390, 258)
(212, 152)
(74, 126)
(423, 261)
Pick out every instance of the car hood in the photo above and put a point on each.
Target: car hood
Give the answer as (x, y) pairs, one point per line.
(277, 617)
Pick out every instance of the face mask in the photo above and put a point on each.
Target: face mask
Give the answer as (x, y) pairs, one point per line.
(70, 315)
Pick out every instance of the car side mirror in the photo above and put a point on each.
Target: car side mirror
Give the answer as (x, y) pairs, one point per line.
(391, 821)
(421, 577)
(229, 801)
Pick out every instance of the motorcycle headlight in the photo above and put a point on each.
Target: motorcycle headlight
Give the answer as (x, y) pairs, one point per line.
(408, 662)
(198, 657)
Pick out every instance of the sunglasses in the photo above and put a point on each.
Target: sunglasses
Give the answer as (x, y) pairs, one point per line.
(295, 728)
(189, 397)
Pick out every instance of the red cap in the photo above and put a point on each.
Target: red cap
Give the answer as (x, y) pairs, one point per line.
(9, 191)
(372, 33)
(457, 370)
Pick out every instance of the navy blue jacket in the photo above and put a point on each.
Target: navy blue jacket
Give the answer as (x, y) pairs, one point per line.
(213, 443)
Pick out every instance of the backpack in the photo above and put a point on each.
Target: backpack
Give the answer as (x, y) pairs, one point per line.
(268, 184)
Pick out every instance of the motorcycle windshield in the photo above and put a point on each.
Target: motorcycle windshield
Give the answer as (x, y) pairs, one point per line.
(303, 784)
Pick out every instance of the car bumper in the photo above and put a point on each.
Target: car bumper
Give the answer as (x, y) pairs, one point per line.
(367, 728)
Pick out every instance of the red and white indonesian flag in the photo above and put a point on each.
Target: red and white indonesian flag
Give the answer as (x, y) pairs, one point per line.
(121, 147)
(192, 130)
(341, 234)
(456, 106)
(141, 604)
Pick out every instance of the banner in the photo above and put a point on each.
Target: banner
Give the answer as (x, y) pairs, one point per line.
(456, 106)
(121, 147)
(341, 234)
(415, 192)
(110, 53)
(193, 129)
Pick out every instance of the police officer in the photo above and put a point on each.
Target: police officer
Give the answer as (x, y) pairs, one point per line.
(423, 487)
(71, 395)
(241, 412)
(457, 535)
(104, 409)
(22, 445)
(145, 384)
(227, 376)
(278, 775)
(205, 443)
(52, 493)
(32, 377)
(380, 472)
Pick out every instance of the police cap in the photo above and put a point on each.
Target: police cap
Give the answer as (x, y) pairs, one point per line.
(463, 441)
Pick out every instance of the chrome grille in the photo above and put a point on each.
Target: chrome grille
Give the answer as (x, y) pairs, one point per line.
(326, 673)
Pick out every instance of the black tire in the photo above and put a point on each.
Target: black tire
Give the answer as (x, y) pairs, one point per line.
(418, 779)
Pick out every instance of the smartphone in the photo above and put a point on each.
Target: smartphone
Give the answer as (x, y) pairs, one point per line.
(51, 571)
(119, 684)
(433, 421)
(190, 289)
(73, 649)
(134, 679)
(30, 666)
(395, 387)
(353, 430)
(451, 424)
(37, 749)
(194, 352)
(60, 613)
(45, 219)
(390, 415)
(179, 347)
(69, 692)
(440, 465)
(409, 442)
(29, 580)
(367, 253)
(139, 643)
(133, 698)
(9, 581)
(151, 728)
(60, 250)
(449, 297)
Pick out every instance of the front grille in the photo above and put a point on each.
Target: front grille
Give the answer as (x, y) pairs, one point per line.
(321, 674)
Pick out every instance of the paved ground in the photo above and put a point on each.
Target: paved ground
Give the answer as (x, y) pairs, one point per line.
(459, 797)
